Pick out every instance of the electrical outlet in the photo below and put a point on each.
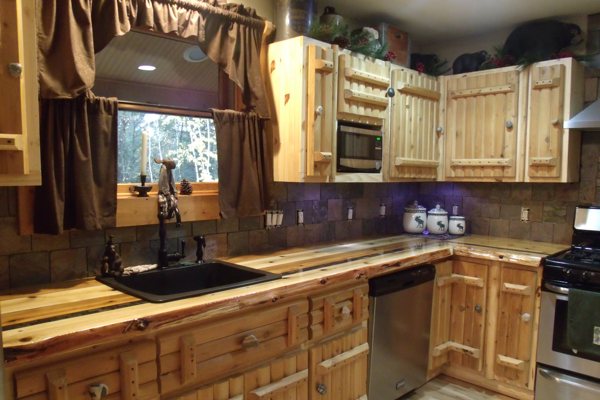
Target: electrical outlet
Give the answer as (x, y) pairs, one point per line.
(524, 214)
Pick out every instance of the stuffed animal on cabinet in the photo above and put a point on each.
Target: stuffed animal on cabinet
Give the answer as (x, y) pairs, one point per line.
(469, 62)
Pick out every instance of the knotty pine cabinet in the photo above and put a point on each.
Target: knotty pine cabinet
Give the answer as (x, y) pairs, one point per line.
(482, 125)
(129, 372)
(303, 79)
(413, 150)
(484, 321)
(19, 115)
(555, 94)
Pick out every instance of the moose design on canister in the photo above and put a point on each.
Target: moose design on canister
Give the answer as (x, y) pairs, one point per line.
(457, 225)
(415, 217)
(437, 220)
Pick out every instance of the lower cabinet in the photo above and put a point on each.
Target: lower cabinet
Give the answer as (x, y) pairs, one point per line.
(483, 324)
(283, 378)
(127, 372)
(338, 367)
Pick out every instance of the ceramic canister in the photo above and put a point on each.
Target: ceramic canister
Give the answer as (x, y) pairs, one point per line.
(437, 220)
(456, 225)
(415, 217)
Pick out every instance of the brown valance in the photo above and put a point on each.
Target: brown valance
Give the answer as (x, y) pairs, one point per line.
(70, 32)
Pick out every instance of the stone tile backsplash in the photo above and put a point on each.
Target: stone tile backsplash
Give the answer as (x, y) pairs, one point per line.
(490, 209)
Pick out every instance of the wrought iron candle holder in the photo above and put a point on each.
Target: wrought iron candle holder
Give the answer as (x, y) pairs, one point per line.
(142, 190)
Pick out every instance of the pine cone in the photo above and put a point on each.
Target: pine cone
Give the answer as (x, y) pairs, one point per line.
(185, 187)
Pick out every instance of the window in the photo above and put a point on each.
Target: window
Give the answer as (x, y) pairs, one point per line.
(187, 137)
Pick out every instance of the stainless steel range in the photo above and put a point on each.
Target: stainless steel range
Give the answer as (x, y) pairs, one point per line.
(568, 366)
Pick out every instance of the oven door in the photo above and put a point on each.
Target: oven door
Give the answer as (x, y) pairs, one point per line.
(552, 340)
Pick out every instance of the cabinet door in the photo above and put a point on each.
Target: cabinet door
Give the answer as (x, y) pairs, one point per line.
(482, 129)
(200, 353)
(362, 88)
(229, 389)
(284, 378)
(516, 314)
(554, 95)
(466, 314)
(304, 124)
(129, 373)
(320, 116)
(413, 141)
(338, 368)
(19, 126)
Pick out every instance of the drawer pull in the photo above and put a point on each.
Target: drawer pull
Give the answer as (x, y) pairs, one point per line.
(321, 388)
(250, 342)
(98, 391)
(345, 358)
(277, 387)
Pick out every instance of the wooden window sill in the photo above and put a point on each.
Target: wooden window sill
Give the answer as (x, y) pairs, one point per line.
(202, 204)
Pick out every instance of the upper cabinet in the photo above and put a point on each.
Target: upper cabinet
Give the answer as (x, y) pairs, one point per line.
(555, 95)
(302, 76)
(414, 137)
(19, 116)
(482, 126)
(363, 85)
(498, 125)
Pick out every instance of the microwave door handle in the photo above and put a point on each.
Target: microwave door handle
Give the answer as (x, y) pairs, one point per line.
(569, 380)
(556, 289)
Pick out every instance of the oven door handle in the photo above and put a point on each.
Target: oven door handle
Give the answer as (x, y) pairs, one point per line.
(556, 289)
(569, 380)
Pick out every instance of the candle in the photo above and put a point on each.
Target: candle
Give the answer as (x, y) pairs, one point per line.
(144, 158)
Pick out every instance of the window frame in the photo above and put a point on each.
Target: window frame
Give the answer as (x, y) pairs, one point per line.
(132, 210)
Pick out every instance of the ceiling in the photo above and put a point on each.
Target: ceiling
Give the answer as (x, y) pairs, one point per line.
(120, 59)
(429, 21)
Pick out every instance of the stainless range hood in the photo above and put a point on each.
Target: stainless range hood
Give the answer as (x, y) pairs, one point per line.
(587, 119)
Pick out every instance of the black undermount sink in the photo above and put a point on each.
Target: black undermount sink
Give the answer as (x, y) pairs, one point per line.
(187, 280)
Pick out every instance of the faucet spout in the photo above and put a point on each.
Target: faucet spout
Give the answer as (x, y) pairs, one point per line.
(167, 209)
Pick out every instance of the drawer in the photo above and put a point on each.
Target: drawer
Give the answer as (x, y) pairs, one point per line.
(338, 310)
(214, 349)
(228, 389)
(129, 372)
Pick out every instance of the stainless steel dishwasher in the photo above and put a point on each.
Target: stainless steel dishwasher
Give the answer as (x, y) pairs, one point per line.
(399, 322)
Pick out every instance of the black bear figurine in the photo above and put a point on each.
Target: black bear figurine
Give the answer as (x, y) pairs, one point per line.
(540, 40)
(469, 62)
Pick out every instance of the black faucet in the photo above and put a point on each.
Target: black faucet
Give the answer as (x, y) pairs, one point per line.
(163, 257)
(167, 209)
(200, 245)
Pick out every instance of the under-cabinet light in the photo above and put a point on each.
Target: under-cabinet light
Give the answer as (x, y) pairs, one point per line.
(146, 67)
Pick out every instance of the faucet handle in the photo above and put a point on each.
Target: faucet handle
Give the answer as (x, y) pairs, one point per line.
(200, 245)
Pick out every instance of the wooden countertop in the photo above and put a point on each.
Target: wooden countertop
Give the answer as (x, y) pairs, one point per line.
(45, 320)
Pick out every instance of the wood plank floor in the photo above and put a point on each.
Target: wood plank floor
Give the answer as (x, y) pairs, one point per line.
(446, 388)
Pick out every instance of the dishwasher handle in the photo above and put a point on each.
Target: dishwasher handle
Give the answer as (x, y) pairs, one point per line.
(401, 280)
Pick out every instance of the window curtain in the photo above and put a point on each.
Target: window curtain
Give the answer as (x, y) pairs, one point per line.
(245, 168)
(79, 164)
(70, 32)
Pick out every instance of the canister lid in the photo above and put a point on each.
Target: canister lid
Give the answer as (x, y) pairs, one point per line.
(438, 210)
(457, 218)
(415, 207)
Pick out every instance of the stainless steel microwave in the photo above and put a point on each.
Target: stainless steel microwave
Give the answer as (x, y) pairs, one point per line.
(359, 148)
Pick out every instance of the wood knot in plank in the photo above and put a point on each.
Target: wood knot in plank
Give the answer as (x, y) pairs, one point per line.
(323, 281)
(139, 324)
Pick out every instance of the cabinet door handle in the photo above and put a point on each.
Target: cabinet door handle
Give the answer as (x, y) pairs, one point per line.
(15, 69)
(509, 124)
(526, 317)
(319, 110)
(321, 388)
(478, 308)
(250, 341)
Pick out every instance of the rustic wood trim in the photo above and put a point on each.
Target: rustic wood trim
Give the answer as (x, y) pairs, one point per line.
(355, 95)
(272, 389)
(407, 88)
(345, 358)
(458, 347)
(58, 387)
(413, 162)
(187, 344)
(363, 76)
(455, 278)
(454, 94)
(129, 376)
(483, 162)
(511, 362)
(543, 161)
